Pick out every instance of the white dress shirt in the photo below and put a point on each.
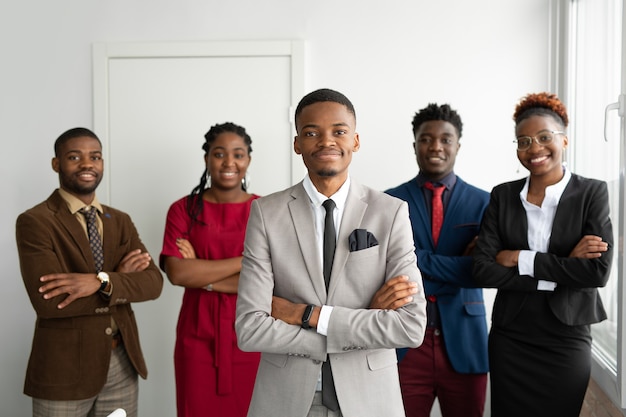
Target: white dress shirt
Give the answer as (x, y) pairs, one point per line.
(540, 221)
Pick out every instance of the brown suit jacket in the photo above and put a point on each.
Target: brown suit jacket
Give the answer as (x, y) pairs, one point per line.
(71, 347)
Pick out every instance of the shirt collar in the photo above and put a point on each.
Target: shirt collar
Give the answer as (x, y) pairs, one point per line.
(448, 181)
(75, 204)
(554, 191)
(318, 198)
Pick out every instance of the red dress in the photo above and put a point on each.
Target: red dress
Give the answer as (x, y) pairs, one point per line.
(213, 376)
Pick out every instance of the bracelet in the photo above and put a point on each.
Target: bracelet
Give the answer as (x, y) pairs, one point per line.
(209, 287)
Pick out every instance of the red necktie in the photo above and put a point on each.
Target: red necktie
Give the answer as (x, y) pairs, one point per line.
(437, 214)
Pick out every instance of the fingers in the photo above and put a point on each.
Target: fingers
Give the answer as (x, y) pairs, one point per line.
(134, 261)
(74, 285)
(589, 247)
(185, 248)
(395, 293)
(470, 247)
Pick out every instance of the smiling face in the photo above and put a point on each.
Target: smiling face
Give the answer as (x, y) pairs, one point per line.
(436, 145)
(227, 161)
(80, 166)
(326, 140)
(544, 161)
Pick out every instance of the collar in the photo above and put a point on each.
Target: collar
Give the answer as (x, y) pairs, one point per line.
(448, 181)
(318, 198)
(75, 204)
(554, 191)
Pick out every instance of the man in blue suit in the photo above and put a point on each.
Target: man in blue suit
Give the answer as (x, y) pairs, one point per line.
(452, 363)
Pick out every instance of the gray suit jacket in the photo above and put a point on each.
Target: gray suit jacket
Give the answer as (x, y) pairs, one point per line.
(281, 258)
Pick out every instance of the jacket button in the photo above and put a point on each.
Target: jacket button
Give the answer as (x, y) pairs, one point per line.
(108, 331)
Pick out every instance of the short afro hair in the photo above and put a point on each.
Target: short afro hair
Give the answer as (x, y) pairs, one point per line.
(324, 95)
(438, 112)
(75, 132)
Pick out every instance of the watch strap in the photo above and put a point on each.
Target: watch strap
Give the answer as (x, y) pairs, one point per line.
(308, 312)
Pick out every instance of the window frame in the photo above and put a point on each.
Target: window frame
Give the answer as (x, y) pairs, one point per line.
(610, 377)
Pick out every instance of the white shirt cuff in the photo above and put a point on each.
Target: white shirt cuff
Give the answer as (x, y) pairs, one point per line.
(526, 262)
(545, 285)
(324, 318)
(526, 266)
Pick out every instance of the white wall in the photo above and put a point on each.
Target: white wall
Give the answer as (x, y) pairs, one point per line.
(391, 58)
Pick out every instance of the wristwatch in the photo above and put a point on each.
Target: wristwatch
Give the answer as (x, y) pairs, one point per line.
(104, 280)
(308, 312)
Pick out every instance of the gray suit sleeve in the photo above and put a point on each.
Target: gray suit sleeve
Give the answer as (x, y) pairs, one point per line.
(256, 329)
(362, 328)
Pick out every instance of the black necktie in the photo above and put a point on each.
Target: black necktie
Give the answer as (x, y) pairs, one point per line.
(94, 237)
(329, 396)
(329, 240)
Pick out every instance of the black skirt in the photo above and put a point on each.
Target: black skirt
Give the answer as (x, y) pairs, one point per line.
(539, 366)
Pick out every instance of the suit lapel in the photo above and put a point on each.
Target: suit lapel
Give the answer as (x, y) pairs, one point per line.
(352, 219)
(304, 224)
(72, 226)
(416, 194)
(562, 217)
(516, 219)
(109, 235)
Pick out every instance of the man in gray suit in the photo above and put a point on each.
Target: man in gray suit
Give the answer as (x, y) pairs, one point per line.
(373, 302)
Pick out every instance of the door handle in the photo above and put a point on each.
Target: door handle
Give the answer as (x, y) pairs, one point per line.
(619, 106)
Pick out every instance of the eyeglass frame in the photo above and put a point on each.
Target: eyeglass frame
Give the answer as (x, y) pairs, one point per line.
(534, 139)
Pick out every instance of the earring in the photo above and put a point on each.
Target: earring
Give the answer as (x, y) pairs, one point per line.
(245, 183)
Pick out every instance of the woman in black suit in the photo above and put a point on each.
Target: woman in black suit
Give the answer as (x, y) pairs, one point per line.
(546, 243)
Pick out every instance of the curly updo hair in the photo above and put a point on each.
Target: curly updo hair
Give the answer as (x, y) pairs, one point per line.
(438, 112)
(541, 104)
(194, 202)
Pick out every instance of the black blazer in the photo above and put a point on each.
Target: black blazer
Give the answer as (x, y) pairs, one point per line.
(582, 210)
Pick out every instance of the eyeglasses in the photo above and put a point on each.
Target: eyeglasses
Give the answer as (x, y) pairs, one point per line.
(543, 138)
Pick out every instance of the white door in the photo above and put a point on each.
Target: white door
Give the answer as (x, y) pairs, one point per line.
(153, 105)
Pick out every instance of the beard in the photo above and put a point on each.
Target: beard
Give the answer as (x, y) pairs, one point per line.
(327, 172)
(71, 184)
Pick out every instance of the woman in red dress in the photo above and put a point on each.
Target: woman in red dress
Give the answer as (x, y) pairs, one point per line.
(202, 250)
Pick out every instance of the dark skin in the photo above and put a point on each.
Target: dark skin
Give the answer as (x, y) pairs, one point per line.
(326, 140)
(545, 166)
(436, 146)
(80, 167)
(227, 162)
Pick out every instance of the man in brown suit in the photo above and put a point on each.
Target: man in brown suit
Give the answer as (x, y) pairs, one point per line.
(85, 355)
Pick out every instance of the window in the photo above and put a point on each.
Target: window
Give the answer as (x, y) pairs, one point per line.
(593, 74)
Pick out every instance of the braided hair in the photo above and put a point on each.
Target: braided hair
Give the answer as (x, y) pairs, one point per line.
(194, 202)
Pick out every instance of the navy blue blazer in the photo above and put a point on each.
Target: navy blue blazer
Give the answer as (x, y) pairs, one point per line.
(582, 210)
(448, 275)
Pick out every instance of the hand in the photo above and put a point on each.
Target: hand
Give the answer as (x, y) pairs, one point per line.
(285, 310)
(395, 293)
(470, 247)
(589, 247)
(507, 258)
(185, 248)
(74, 285)
(134, 261)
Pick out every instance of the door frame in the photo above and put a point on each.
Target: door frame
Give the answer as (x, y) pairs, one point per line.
(104, 52)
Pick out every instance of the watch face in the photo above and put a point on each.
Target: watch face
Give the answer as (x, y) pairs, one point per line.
(104, 280)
